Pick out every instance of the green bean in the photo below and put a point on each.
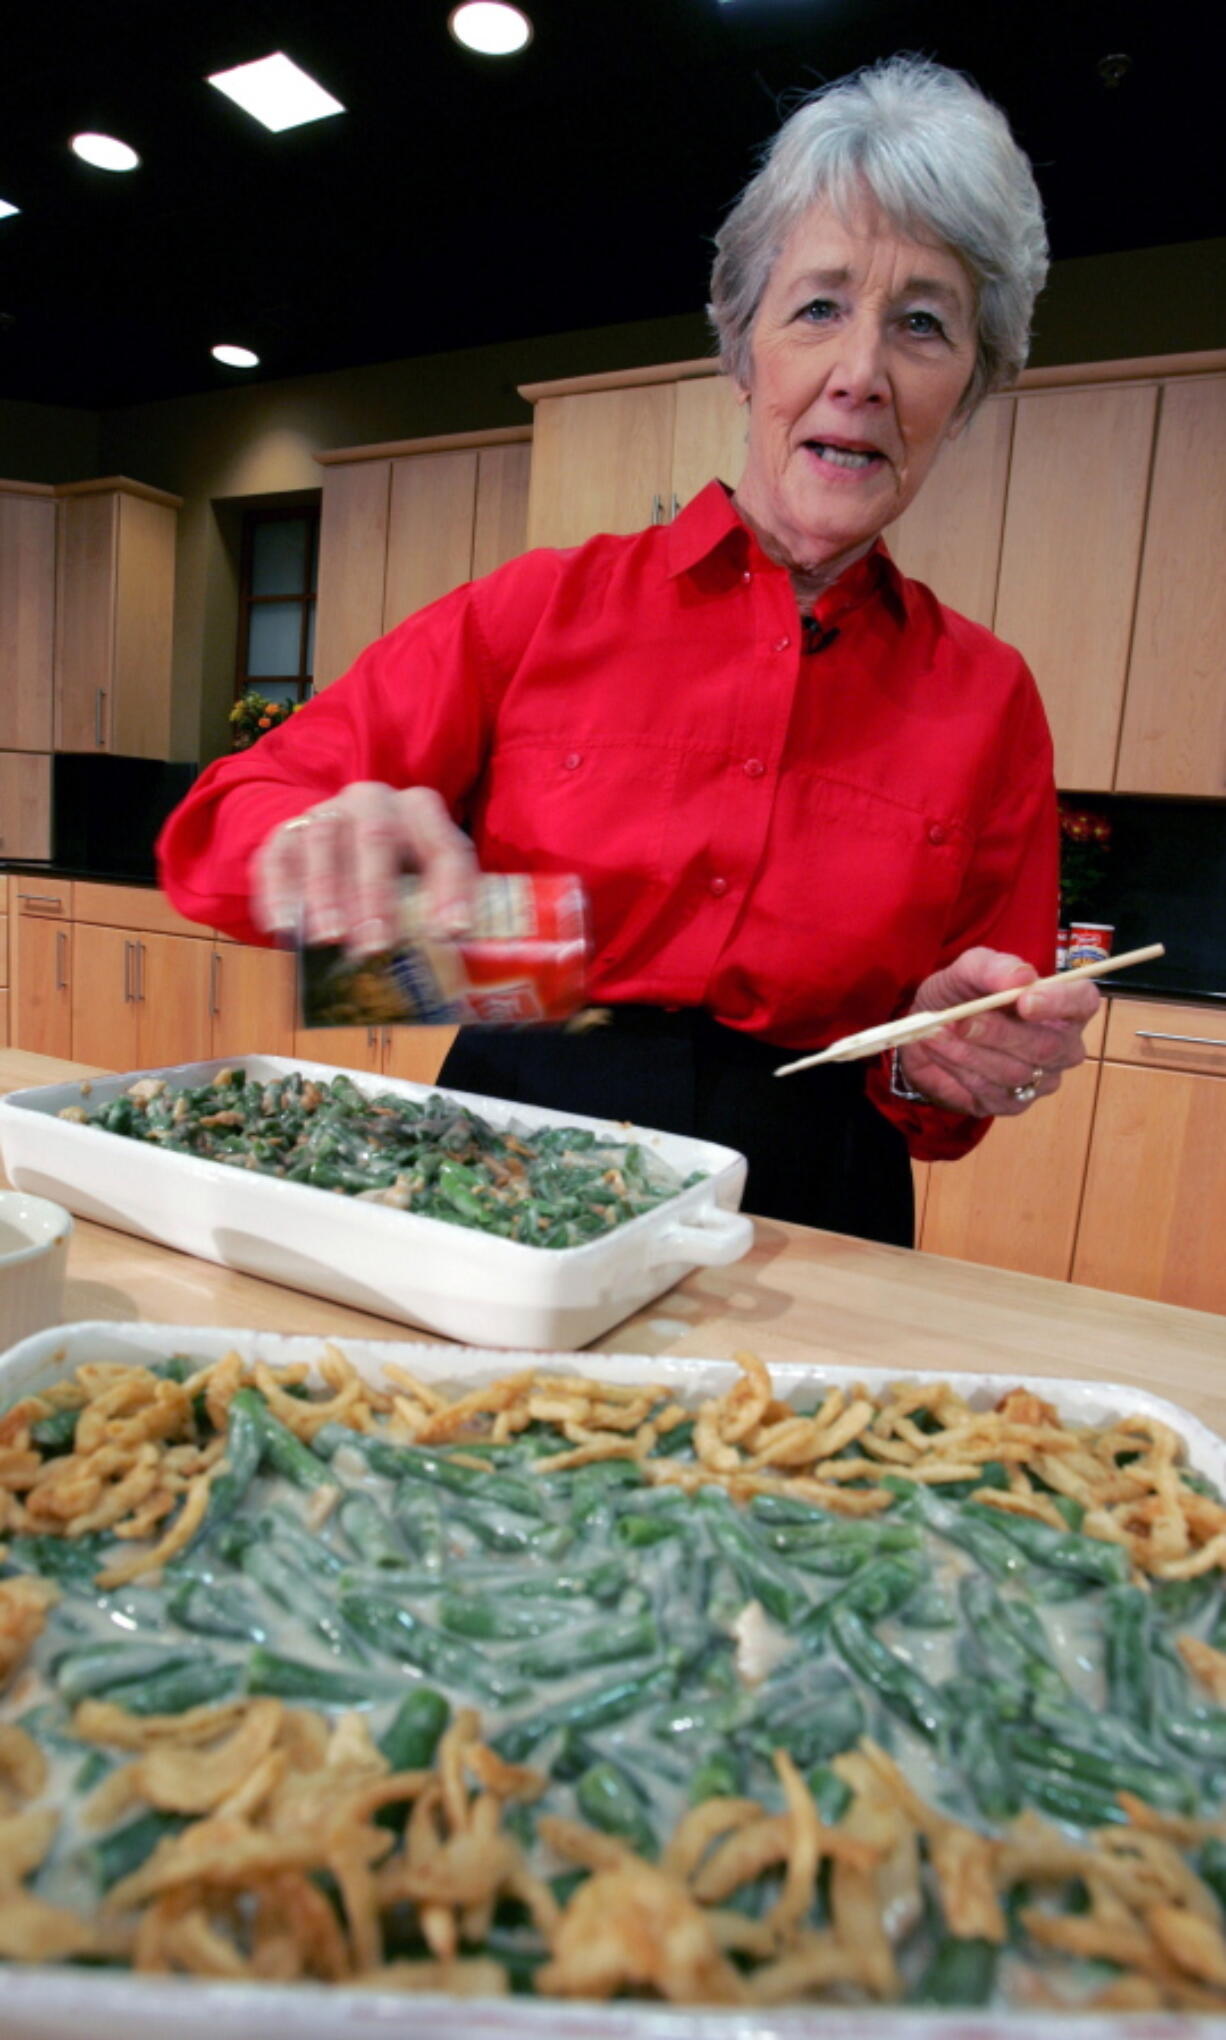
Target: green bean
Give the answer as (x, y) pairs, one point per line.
(1069, 1798)
(879, 1588)
(596, 1707)
(412, 1462)
(495, 1620)
(982, 1755)
(717, 1777)
(760, 1574)
(215, 1610)
(1062, 1550)
(178, 1687)
(369, 1532)
(1129, 1655)
(287, 1678)
(1183, 1602)
(599, 1644)
(904, 1690)
(245, 1437)
(69, 1561)
(126, 1848)
(962, 1972)
(831, 1796)
(977, 1532)
(412, 1736)
(395, 1632)
(639, 1531)
(1168, 1790)
(81, 1673)
(607, 1799)
(279, 1448)
(1211, 1868)
(55, 1434)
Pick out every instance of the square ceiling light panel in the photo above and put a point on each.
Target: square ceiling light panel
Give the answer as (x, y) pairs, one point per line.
(275, 91)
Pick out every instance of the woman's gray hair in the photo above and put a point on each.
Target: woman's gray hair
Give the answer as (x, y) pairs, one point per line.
(938, 159)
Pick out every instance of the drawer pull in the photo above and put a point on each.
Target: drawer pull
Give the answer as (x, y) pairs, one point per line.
(99, 718)
(1189, 1040)
(41, 899)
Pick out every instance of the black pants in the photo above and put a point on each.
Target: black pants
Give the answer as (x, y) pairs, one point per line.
(819, 1153)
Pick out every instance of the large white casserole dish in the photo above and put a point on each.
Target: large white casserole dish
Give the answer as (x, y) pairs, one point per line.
(61, 2004)
(447, 1278)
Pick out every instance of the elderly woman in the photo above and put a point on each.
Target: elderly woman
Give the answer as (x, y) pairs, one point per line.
(804, 796)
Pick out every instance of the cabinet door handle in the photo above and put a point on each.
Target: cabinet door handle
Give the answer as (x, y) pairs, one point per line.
(657, 509)
(676, 506)
(100, 716)
(127, 972)
(61, 959)
(215, 985)
(1190, 1040)
(372, 1039)
(140, 972)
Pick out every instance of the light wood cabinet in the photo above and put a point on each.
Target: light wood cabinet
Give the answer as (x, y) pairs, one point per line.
(1155, 1194)
(1074, 516)
(616, 454)
(105, 1016)
(1174, 731)
(140, 1000)
(41, 992)
(251, 1002)
(114, 613)
(950, 537)
(415, 1053)
(25, 804)
(27, 616)
(404, 523)
(1014, 1202)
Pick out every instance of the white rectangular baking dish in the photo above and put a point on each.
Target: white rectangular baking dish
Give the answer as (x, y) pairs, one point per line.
(448, 1278)
(61, 2003)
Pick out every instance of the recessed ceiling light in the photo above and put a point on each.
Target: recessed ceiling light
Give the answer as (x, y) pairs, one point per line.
(276, 92)
(236, 357)
(7, 210)
(105, 152)
(491, 27)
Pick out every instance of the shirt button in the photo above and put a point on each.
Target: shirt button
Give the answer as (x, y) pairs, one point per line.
(753, 768)
(781, 644)
(747, 577)
(717, 888)
(937, 834)
(573, 760)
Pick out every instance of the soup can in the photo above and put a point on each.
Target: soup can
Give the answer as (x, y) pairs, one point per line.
(524, 960)
(1089, 942)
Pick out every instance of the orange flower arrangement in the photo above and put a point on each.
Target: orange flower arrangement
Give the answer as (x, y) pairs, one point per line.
(1085, 842)
(254, 713)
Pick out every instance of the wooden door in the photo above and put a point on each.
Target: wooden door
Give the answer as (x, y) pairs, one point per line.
(352, 564)
(950, 537)
(500, 528)
(173, 974)
(144, 622)
(602, 460)
(430, 530)
(416, 1053)
(25, 804)
(27, 620)
(85, 622)
(709, 428)
(1154, 1214)
(252, 1000)
(105, 1014)
(1174, 736)
(42, 1017)
(1013, 1202)
(1074, 514)
(347, 1048)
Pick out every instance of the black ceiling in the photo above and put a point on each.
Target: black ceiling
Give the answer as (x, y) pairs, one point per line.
(462, 200)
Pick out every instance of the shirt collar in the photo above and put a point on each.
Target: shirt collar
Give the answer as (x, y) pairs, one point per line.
(711, 521)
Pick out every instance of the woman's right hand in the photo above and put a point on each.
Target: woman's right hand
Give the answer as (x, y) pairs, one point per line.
(331, 874)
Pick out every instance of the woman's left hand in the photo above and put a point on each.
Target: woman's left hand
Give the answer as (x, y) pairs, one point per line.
(997, 1064)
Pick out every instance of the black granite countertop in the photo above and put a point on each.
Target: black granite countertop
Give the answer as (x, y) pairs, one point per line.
(48, 869)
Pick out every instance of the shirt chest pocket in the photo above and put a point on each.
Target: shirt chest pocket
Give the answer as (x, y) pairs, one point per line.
(596, 808)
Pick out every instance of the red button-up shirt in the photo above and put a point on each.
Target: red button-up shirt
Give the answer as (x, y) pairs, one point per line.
(792, 840)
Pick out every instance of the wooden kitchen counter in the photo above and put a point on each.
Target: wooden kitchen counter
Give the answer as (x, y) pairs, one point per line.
(800, 1296)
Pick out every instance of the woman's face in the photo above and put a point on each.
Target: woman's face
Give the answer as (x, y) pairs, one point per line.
(862, 349)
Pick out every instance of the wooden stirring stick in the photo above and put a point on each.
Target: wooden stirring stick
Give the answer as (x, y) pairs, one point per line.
(917, 1026)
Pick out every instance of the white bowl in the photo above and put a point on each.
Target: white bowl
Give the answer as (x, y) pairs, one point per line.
(34, 1235)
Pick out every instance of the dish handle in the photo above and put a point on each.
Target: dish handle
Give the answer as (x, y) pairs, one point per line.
(710, 1239)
